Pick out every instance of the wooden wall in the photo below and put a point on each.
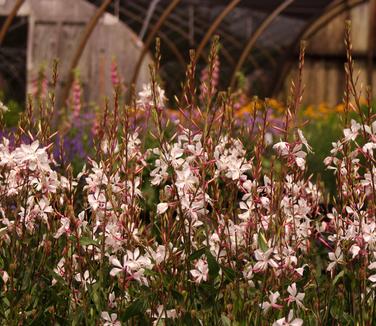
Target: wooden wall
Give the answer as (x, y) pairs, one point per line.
(55, 28)
(324, 76)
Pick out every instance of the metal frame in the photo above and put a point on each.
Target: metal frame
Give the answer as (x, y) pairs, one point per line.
(151, 36)
(215, 25)
(331, 12)
(174, 49)
(254, 37)
(9, 20)
(81, 46)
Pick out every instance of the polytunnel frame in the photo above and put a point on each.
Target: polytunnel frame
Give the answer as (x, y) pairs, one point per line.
(9, 20)
(317, 23)
(311, 29)
(254, 37)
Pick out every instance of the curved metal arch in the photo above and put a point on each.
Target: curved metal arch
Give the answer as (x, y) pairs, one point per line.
(266, 54)
(215, 25)
(177, 17)
(331, 12)
(227, 55)
(150, 37)
(202, 27)
(254, 37)
(81, 45)
(163, 35)
(221, 32)
(172, 26)
(9, 20)
(174, 49)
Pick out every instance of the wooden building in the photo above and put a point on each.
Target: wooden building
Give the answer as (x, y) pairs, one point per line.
(324, 73)
(54, 29)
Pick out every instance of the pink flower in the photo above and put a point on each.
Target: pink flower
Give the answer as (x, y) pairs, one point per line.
(110, 320)
(335, 258)
(201, 271)
(289, 321)
(85, 279)
(282, 148)
(162, 208)
(263, 260)
(64, 228)
(294, 296)
(272, 303)
(134, 264)
(146, 97)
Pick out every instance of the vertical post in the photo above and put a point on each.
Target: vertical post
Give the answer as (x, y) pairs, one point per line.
(81, 46)
(371, 41)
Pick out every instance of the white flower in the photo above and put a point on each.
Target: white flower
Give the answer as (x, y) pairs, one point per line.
(300, 162)
(294, 296)
(236, 168)
(160, 255)
(201, 271)
(354, 250)
(289, 321)
(368, 148)
(112, 300)
(85, 279)
(60, 270)
(300, 270)
(43, 208)
(282, 148)
(110, 320)
(3, 107)
(263, 260)
(146, 97)
(65, 227)
(134, 264)
(161, 208)
(248, 275)
(304, 141)
(352, 132)
(336, 258)
(32, 156)
(272, 303)
(4, 276)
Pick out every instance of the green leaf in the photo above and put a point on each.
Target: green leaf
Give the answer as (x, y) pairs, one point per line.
(263, 244)
(225, 320)
(96, 295)
(213, 264)
(229, 273)
(86, 241)
(197, 254)
(335, 311)
(338, 276)
(177, 296)
(137, 307)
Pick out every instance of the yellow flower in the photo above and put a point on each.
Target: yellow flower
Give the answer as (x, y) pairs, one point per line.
(340, 107)
(275, 104)
(310, 112)
(246, 109)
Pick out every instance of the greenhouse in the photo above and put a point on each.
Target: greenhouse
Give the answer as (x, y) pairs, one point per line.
(187, 162)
